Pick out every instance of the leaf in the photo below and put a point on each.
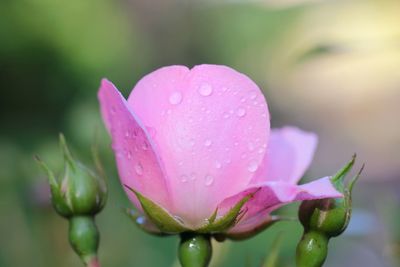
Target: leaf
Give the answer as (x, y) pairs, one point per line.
(164, 221)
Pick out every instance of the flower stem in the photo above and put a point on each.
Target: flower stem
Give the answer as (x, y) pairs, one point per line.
(194, 250)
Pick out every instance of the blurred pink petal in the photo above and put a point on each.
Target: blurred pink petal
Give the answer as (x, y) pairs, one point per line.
(137, 162)
(211, 124)
(289, 154)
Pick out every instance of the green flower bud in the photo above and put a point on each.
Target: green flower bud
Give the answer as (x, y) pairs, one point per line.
(80, 195)
(330, 216)
(81, 190)
(194, 250)
(323, 219)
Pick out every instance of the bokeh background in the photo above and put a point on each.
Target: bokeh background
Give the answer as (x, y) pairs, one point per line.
(332, 67)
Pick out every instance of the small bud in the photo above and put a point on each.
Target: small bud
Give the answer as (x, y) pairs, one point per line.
(78, 196)
(330, 216)
(194, 250)
(323, 219)
(81, 190)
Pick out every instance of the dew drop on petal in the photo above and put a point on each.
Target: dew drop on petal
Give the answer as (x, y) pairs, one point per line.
(139, 168)
(253, 95)
(175, 98)
(209, 180)
(260, 150)
(129, 154)
(145, 145)
(218, 165)
(205, 89)
(252, 167)
(240, 112)
(207, 143)
(192, 176)
(224, 89)
(184, 178)
(251, 146)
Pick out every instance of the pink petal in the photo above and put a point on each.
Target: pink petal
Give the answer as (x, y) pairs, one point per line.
(211, 124)
(289, 153)
(137, 162)
(271, 195)
(248, 224)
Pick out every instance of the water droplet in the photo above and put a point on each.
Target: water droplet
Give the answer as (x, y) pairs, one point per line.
(179, 219)
(184, 178)
(226, 115)
(240, 112)
(227, 161)
(264, 145)
(207, 143)
(243, 100)
(145, 145)
(253, 95)
(129, 154)
(224, 89)
(209, 180)
(205, 89)
(127, 134)
(251, 146)
(175, 98)
(218, 165)
(236, 143)
(192, 176)
(141, 220)
(260, 150)
(113, 109)
(252, 167)
(208, 111)
(139, 168)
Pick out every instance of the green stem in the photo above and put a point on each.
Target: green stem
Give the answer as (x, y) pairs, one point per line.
(84, 239)
(312, 249)
(194, 250)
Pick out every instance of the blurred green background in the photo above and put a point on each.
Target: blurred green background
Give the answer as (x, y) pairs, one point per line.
(332, 67)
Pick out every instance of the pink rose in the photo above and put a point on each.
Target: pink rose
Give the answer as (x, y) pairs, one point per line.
(196, 142)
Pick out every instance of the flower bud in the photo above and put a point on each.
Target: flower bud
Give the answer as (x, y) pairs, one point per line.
(332, 215)
(81, 190)
(80, 195)
(323, 219)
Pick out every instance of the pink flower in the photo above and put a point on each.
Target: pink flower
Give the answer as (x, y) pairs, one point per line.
(198, 140)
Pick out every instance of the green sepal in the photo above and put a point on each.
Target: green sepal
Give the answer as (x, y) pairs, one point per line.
(228, 220)
(57, 194)
(256, 230)
(143, 223)
(164, 221)
(338, 179)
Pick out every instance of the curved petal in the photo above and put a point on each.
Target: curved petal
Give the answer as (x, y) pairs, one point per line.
(211, 126)
(137, 162)
(271, 195)
(289, 154)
